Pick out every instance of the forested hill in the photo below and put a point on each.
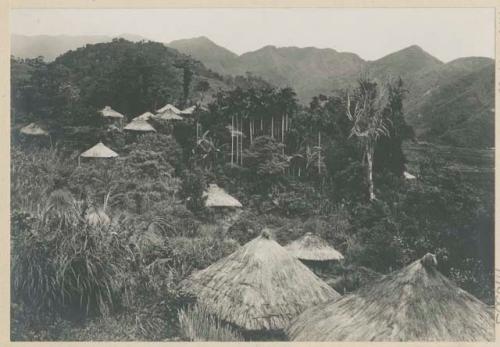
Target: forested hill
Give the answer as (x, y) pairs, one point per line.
(131, 77)
(450, 103)
(52, 46)
(443, 99)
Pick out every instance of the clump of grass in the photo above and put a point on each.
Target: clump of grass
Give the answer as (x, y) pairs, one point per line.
(196, 324)
(60, 261)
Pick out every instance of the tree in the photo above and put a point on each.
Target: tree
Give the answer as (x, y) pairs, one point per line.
(388, 151)
(266, 161)
(368, 123)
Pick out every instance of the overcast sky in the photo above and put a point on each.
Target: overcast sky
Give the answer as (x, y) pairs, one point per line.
(371, 33)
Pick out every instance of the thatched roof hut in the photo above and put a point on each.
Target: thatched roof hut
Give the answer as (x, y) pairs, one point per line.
(144, 116)
(409, 176)
(99, 151)
(189, 110)
(169, 107)
(313, 248)
(33, 129)
(416, 303)
(217, 197)
(139, 126)
(108, 112)
(168, 115)
(258, 287)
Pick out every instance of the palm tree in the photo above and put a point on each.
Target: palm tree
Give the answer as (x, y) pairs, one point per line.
(207, 149)
(368, 123)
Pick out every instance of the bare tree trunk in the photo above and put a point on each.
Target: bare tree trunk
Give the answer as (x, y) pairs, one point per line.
(250, 131)
(232, 141)
(282, 129)
(319, 152)
(237, 142)
(369, 160)
(272, 127)
(241, 143)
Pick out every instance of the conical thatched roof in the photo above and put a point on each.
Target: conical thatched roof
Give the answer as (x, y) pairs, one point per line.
(416, 303)
(189, 110)
(217, 197)
(99, 151)
(258, 287)
(139, 125)
(34, 130)
(409, 176)
(169, 107)
(108, 112)
(168, 115)
(313, 247)
(144, 116)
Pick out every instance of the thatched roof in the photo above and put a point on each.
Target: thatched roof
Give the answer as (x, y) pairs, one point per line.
(99, 151)
(258, 287)
(169, 107)
(313, 247)
(144, 116)
(409, 176)
(168, 115)
(416, 303)
(139, 125)
(34, 129)
(189, 110)
(217, 197)
(108, 112)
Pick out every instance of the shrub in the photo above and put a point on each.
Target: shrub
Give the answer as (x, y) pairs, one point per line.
(61, 263)
(192, 188)
(200, 252)
(196, 324)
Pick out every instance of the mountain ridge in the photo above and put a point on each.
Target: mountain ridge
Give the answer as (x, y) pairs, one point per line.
(312, 71)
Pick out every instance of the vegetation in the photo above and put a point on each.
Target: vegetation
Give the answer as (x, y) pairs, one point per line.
(198, 325)
(100, 246)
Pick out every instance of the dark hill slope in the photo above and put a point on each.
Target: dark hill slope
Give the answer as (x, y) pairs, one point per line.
(130, 77)
(213, 56)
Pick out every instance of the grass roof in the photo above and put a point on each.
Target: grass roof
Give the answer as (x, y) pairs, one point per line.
(218, 197)
(168, 115)
(416, 303)
(108, 112)
(169, 107)
(189, 110)
(144, 116)
(99, 151)
(139, 125)
(258, 287)
(313, 247)
(34, 129)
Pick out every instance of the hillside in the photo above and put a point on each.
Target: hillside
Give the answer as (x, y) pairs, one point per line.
(404, 63)
(215, 57)
(50, 47)
(432, 85)
(132, 77)
(459, 110)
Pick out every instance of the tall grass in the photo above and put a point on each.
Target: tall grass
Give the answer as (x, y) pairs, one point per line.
(196, 324)
(60, 262)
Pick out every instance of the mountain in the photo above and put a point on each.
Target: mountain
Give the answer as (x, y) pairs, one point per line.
(404, 63)
(458, 106)
(443, 100)
(50, 47)
(131, 77)
(215, 57)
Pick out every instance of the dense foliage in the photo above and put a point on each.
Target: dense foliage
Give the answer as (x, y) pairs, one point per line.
(100, 246)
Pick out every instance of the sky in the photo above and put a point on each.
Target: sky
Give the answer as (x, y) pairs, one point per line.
(371, 33)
